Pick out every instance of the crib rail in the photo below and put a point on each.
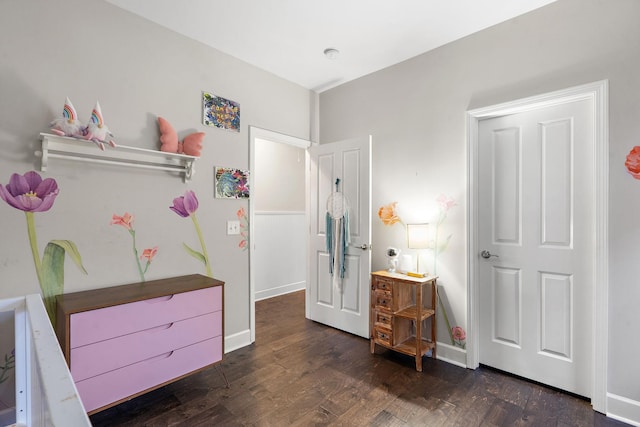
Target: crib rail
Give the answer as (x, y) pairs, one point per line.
(45, 392)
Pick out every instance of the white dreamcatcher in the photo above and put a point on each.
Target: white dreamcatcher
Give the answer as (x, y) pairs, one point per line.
(337, 226)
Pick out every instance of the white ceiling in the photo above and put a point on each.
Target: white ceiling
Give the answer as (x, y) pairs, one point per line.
(288, 37)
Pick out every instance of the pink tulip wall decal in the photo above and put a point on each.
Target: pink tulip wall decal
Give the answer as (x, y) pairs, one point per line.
(459, 336)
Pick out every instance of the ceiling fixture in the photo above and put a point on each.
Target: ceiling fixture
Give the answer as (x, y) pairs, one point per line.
(331, 53)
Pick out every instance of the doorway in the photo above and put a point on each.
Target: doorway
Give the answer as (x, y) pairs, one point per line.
(595, 95)
(282, 146)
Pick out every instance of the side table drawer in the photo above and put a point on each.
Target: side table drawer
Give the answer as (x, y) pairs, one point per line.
(382, 320)
(383, 300)
(383, 336)
(382, 284)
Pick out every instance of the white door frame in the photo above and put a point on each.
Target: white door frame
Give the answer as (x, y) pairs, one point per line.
(256, 133)
(597, 93)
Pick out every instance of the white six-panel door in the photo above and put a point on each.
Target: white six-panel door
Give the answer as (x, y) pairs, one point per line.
(343, 305)
(535, 210)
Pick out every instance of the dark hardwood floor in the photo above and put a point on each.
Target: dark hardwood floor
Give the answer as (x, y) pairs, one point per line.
(303, 373)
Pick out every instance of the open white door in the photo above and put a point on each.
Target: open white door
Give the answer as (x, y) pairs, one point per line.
(344, 305)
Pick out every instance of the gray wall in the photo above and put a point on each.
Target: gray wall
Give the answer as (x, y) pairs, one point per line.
(91, 50)
(280, 177)
(416, 114)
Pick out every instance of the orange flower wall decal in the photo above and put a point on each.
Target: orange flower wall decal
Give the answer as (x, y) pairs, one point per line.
(387, 214)
(126, 221)
(633, 162)
(244, 229)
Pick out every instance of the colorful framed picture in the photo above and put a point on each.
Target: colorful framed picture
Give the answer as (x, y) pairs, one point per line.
(231, 183)
(220, 112)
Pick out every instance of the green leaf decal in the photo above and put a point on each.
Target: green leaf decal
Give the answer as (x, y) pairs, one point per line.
(197, 255)
(443, 246)
(53, 272)
(72, 250)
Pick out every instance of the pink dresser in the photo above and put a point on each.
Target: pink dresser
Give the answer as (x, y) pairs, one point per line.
(124, 341)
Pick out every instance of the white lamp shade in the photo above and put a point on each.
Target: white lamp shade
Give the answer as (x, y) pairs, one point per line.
(418, 236)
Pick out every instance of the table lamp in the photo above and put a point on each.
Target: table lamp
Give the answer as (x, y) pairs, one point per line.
(418, 238)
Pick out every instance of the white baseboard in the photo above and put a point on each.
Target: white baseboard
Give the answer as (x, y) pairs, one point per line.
(236, 341)
(451, 354)
(280, 290)
(623, 409)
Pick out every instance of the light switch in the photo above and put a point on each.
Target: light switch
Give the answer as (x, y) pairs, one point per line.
(233, 227)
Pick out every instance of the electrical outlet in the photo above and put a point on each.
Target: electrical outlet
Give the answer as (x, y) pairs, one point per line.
(233, 227)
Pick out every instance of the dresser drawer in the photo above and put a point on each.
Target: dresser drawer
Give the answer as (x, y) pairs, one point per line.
(98, 325)
(113, 386)
(104, 356)
(383, 336)
(383, 300)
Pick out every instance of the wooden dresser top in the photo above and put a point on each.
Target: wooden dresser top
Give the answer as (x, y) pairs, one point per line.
(105, 297)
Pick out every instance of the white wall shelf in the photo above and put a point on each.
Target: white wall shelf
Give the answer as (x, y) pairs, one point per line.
(61, 147)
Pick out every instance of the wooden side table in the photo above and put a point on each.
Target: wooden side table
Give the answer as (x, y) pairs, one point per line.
(399, 308)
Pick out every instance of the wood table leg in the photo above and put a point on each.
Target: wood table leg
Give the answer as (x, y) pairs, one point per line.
(434, 318)
(418, 321)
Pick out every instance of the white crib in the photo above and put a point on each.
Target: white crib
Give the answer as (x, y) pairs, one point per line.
(45, 392)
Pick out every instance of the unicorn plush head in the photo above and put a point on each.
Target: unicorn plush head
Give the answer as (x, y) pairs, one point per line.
(68, 124)
(96, 130)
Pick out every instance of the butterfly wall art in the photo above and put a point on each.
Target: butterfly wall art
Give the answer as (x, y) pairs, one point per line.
(191, 145)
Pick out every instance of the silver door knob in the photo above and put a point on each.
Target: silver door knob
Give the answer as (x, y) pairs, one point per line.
(363, 246)
(486, 254)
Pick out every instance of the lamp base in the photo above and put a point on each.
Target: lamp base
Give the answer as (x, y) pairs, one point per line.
(393, 265)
